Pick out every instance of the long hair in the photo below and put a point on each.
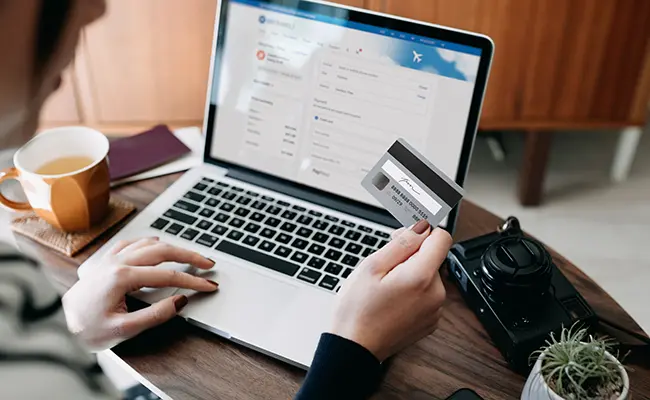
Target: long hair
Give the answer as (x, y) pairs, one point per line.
(53, 17)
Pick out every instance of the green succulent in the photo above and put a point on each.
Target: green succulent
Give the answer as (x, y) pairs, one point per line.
(576, 366)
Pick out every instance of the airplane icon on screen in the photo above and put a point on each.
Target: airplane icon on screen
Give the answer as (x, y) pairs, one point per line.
(417, 57)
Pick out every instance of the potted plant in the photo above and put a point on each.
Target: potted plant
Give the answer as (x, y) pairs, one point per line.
(578, 366)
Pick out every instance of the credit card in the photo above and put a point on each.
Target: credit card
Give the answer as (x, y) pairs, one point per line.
(410, 187)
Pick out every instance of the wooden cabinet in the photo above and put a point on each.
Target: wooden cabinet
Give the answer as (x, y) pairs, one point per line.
(148, 61)
(586, 61)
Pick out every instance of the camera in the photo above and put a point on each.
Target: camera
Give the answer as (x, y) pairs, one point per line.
(520, 296)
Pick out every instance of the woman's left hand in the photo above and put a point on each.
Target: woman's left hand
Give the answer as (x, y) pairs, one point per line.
(95, 306)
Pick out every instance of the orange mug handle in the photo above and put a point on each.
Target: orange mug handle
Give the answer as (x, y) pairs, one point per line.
(5, 175)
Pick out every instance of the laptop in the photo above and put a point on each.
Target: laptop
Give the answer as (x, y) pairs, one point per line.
(304, 98)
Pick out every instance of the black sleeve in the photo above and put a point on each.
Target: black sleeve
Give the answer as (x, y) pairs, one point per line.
(342, 369)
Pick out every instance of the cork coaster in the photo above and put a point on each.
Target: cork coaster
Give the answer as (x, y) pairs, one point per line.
(33, 227)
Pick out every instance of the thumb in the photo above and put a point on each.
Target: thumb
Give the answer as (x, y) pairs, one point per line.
(154, 315)
(399, 249)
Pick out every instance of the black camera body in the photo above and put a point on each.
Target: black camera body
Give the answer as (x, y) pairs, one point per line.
(520, 296)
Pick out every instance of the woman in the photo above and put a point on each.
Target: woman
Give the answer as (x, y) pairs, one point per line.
(393, 299)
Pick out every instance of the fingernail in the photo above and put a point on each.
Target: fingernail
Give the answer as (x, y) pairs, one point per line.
(213, 283)
(421, 226)
(180, 303)
(211, 260)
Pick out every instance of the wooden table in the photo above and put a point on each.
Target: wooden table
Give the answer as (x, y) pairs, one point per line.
(188, 363)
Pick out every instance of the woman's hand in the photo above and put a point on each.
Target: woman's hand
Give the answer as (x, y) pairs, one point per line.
(95, 307)
(395, 296)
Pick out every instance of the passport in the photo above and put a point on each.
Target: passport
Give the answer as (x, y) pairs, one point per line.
(410, 187)
(142, 152)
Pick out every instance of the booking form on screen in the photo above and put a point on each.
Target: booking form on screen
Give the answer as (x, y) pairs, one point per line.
(318, 100)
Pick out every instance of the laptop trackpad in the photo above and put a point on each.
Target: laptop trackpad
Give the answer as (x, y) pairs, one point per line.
(247, 301)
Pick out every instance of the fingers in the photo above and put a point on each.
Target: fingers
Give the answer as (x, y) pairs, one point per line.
(164, 310)
(132, 279)
(427, 261)
(396, 233)
(129, 244)
(142, 243)
(162, 252)
(121, 245)
(399, 249)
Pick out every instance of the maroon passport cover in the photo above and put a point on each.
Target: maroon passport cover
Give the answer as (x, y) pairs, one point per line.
(142, 152)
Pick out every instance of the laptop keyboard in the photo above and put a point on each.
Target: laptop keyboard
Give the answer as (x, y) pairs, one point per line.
(315, 248)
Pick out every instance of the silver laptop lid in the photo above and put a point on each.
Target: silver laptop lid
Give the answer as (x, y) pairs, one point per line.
(305, 97)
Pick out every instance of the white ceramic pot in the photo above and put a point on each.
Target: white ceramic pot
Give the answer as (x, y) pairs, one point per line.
(537, 389)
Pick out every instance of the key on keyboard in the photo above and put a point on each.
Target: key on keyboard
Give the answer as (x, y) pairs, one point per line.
(309, 275)
(242, 212)
(322, 225)
(252, 227)
(235, 235)
(304, 232)
(267, 246)
(181, 217)
(227, 207)
(333, 268)
(299, 244)
(251, 240)
(329, 282)
(288, 227)
(350, 260)
(320, 237)
(203, 224)
(184, 205)
(215, 191)
(237, 222)
(160, 223)
(282, 251)
(174, 229)
(316, 262)
(194, 196)
(206, 212)
(206, 240)
(283, 238)
(221, 217)
(305, 220)
(299, 257)
(189, 234)
(267, 233)
(352, 235)
(272, 222)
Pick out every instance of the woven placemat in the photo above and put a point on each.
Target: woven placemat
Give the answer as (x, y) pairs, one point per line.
(70, 244)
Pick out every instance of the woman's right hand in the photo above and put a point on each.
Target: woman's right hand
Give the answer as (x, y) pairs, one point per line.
(395, 296)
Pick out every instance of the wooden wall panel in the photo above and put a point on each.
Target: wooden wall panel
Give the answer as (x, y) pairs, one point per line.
(581, 57)
(641, 105)
(505, 21)
(543, 58)
(622, 68)
(148, 60)
(585, 60)
(61, 108)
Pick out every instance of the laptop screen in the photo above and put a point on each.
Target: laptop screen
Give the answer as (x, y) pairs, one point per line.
(317, 99)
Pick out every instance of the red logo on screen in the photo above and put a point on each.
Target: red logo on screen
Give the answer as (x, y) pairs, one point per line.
(261, 55)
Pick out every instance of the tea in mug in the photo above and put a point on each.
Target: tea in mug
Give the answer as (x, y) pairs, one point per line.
(64, 165)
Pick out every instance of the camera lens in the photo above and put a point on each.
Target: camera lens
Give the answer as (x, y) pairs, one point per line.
(516, 272)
